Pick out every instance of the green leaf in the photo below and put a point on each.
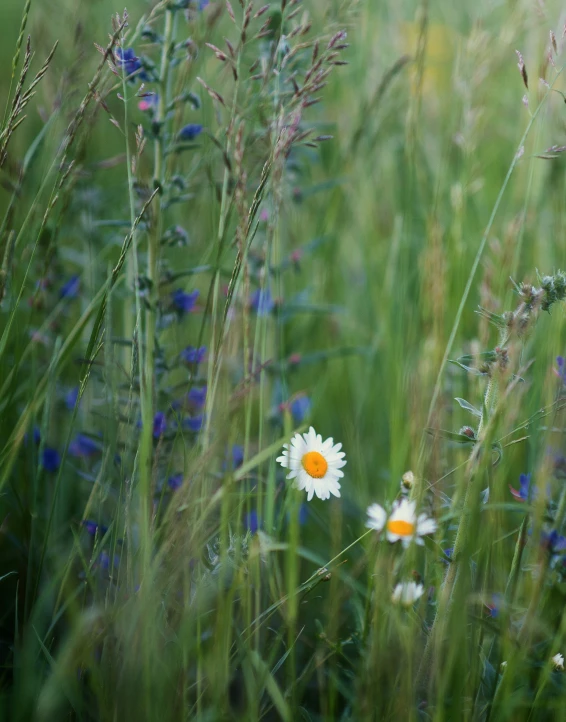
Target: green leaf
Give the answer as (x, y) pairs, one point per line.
(450, 436)
(468, 406)
(259, 458)
(468, 369)
(263, 673)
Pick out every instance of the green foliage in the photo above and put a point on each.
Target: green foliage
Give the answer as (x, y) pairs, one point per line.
(219, 224)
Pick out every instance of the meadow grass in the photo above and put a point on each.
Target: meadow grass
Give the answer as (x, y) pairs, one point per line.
(222, 224)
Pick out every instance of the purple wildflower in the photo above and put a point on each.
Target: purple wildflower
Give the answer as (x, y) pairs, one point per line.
(561, 370)
(302, 515)
(92, 527)
(553, 542)
(251, 522)
(300, 408)
(175, 482)
(234, 458)
(193, 423)
(190, 131)
(132, 65)
(83, 446)
(104, 561)
(184, 302)
(149, 102)
(262, 302)
(71, 288)
(159, 424)
(51, 459)
(36, 435)
(193, 355)
(71, 398)
(237, 456)
(523, 493)
(493, 608)
(197, 396)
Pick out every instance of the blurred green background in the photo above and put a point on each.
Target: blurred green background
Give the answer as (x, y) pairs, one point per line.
(426, 119)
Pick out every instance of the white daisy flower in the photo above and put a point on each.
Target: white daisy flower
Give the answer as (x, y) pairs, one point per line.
(558, 661)
(377, 517)
(407, 593)
(314, 464)
(403, 524)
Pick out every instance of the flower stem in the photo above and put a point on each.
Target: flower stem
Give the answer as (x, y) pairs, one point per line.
(148, 369)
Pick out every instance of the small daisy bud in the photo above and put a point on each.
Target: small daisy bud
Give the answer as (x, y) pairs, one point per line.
(558, 662)
(408, 480)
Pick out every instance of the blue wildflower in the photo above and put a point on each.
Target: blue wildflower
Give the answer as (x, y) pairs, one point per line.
(553, 542)
(71, 398)
(300, 408)
(175, 482)
(149, 102)
(92, 527)
(561, 370)
(198, 4)
(303, 514)
(237, 456)
(193, 423)
(251, 522)
(104, 561)
(83, 446)
(132, 65)
(51, 459)
(197, 396)
(262, 302)
(36, 435)
(524, 484)
(71, 288)
(184, 302)
(493, 608)
(193, 355)
(159, 424)
(190, 131)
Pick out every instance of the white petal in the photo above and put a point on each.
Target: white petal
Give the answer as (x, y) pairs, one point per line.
(425, 525)
(376, 517)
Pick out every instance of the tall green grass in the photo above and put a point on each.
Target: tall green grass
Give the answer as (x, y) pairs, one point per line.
(162, 567)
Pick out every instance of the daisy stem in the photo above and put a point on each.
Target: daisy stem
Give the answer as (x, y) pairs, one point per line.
(474, 476)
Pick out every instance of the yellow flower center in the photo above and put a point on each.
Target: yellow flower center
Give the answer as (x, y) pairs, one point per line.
(314, 464)
(400, 527)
